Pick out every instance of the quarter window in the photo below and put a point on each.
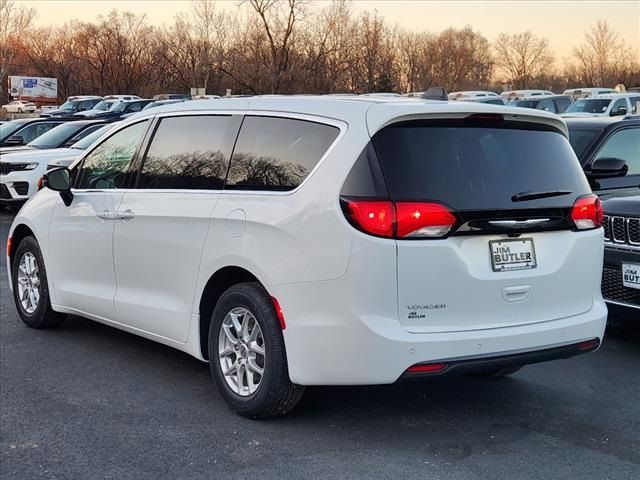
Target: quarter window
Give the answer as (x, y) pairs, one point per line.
(277, 153)
(108, 165)
(189, 152)
(624, 144)
(546, 105)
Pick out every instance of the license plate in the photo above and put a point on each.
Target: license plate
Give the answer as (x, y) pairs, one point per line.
(510, 255)
(631, 275)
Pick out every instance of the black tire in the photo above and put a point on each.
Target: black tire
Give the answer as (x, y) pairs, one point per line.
(499, 373)
(19, 110)
(276, 394)
(43, 315)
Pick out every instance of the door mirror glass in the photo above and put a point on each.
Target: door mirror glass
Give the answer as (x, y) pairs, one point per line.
(58, 179)
(608, 167)
(14, 141)
(619, 111)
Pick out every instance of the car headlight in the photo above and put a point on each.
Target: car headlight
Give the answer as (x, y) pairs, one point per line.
(30, 166)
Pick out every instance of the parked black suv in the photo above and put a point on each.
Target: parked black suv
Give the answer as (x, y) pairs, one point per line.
(609, 152)
(621, 273)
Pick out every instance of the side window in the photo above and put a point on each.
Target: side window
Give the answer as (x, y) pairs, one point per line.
(33, 131)
(189, 152)
(135, 107)
(107, 166)
(635, 101)
(621, 102)
(277, 153)
(562, 104)
(546, 105)
(624, 144)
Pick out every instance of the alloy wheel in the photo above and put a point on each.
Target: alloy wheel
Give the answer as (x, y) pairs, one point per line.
(241, 351)
(28, 282)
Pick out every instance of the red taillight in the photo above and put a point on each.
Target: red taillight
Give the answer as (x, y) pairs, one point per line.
(279, 312)
(401, 219)
(423, 220)
(427, 368)
(375, 218)
(587, 212)
(485, 117)
(40, 183)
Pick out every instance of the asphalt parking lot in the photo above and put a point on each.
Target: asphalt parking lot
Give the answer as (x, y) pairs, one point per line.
(87, 401)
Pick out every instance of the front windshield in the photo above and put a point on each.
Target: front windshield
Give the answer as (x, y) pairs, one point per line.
(9, 128)
(580, 139)
(68, 106)
(54, 137)
(589, 105)
(104, 105)
(119, 107)
(87, 141)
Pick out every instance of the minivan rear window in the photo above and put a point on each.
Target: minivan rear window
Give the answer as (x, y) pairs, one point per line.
(478, 168)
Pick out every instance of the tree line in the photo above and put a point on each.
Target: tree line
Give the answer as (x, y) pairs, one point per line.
(294, 46)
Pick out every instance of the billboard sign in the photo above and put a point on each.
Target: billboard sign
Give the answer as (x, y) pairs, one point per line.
(34, 89)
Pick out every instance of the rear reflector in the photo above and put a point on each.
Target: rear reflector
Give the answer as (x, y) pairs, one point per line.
(279, 312)
(400, 219)
(9, 247)
(589, 344)
(587, 212)
(427, 368)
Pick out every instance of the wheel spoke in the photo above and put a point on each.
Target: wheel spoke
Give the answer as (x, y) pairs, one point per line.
(241, 372)
(32, 299)
(254, 347)
(245, 326)
(236, 323)
(225, 352)
(232, 369)
(230, 337)
(254, 367)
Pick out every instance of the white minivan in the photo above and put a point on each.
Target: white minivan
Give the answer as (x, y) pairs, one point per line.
(295, 241)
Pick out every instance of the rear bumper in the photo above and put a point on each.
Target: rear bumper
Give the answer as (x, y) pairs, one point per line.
(484, 364)
(330, 345)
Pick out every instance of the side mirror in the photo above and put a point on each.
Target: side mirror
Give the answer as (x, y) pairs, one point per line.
(14, 141)
(608, 167)
(618, 112)
(59, 180)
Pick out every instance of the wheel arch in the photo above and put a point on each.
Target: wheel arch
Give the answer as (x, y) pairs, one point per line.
(218, 283)
(20, 232)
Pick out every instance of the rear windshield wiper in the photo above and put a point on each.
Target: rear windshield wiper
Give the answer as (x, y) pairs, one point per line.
(522, 196)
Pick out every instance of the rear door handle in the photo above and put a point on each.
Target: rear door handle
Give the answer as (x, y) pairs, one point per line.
(116, 215)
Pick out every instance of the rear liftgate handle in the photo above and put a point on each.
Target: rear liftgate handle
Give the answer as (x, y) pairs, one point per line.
(516, 294)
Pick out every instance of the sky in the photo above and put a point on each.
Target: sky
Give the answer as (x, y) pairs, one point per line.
(563, 22)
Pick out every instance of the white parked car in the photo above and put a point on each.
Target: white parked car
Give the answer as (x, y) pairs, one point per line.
(471, 94)
(19, 106)
(577, 93)
(20, 171)
(296, 241)
(609, 105)
(511, 95)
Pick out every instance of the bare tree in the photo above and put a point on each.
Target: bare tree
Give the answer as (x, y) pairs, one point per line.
(603, 58)
(14, 22)
(522, 57)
